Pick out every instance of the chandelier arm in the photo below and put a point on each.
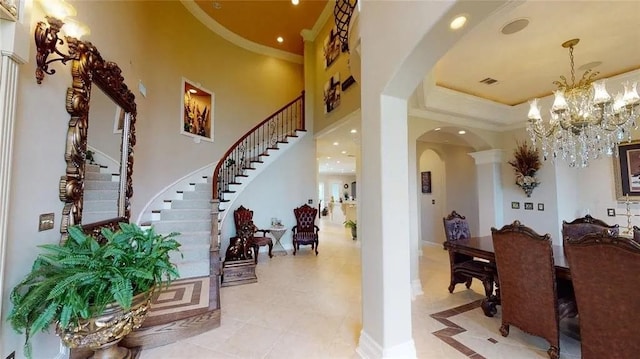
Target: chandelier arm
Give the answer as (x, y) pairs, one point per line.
(542, 133)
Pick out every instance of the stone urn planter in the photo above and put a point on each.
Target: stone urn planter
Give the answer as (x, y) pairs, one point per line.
(102, 333)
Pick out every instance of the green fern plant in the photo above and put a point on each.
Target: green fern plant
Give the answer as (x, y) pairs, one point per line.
(77, 279)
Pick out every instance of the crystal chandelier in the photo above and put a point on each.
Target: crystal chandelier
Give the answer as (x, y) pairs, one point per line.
(585, 122)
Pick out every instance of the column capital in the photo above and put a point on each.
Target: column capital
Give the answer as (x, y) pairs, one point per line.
(488, 156)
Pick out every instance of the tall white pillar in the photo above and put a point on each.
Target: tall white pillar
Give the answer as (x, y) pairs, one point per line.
(384, 199)
(414, 218)
(309, 77)
(491, 212)
(14, 48)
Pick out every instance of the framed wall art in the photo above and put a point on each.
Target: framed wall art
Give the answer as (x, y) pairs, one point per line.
(331, 47)
(626, 168)
(197, 111)
(332, 93)
(426, 181)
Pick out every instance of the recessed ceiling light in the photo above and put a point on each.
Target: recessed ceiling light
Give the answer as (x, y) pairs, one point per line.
(335, 143)
(514, 26)
(354, 131)
(193, 90)
(337, 161)
(217, 5)
(462, 132)
(295, 2)
(344, 152)
(280, 39)
(437, 129)
(328, 157)
(458, 22)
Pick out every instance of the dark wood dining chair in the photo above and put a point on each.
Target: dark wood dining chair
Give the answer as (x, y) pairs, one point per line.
(243, 219)
(585, 225)
(305, 232)
(604, 270)
(528, 294)
(463, 267)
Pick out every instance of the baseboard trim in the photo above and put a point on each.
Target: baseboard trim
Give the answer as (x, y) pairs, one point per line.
(370, 349)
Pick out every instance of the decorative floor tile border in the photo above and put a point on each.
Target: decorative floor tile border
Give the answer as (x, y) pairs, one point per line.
(452, 329)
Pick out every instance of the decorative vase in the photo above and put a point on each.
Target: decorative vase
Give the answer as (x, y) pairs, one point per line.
(527, 183)
(102, 333)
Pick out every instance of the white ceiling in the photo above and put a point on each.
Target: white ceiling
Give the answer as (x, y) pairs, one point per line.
(525, 64)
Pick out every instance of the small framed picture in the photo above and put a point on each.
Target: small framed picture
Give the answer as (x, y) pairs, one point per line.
(611, 212)
(540, 206)
(528, 206)
(515, 205)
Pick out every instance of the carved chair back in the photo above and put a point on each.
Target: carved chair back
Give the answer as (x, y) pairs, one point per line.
(524, 261)
(305, 231)
(456, 227)
(241, 216)
(604, 272)
(585, 225)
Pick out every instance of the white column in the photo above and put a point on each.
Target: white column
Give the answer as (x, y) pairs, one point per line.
(309, 77)
(15, 40)
(414, 218)
(491, 212)
(386, 290)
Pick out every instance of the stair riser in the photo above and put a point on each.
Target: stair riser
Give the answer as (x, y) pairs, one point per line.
(190, 254)
(92, 217)
(100, 195)
(197, 195)
(193, 269)
(99, 206)
(203, 187)
(182, 226)
(188, 214)
(97, 176)
(190, 204)
(101, 185)
(194, 239)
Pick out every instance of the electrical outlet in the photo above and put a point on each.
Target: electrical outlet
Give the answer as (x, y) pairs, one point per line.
(45, 222)
(12, 355)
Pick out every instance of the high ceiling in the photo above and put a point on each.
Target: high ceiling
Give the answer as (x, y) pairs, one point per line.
(262, 21)
(524, 63)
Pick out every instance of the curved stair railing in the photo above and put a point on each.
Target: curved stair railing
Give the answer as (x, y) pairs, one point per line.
(266, 135)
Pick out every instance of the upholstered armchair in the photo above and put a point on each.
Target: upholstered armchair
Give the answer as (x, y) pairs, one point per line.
(463, 267)
(528, 288)
(585, 225)
(604, 272)
(305, 232)
(245, 228)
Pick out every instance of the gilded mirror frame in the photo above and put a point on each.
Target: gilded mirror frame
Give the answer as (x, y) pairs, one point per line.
(88, 68)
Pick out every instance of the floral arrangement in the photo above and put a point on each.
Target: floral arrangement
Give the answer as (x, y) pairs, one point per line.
(526, 164)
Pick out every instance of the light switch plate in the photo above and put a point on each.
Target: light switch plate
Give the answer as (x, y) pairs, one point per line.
(46, 222)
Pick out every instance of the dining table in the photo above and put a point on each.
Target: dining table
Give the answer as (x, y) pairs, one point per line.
(482, 247)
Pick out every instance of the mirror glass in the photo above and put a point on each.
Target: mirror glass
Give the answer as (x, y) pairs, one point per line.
(102, 165)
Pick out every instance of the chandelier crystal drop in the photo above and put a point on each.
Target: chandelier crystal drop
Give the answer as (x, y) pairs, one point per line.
(585, 121)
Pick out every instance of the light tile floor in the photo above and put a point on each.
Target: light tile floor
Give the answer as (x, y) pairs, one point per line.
(305, 306)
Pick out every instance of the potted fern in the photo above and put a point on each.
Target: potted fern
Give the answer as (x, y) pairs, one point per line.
(96, 293)
(354, 228)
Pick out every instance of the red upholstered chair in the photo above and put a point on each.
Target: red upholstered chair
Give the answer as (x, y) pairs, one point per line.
(528, 288)
(604, 272)
(305, 231)
(243, 219)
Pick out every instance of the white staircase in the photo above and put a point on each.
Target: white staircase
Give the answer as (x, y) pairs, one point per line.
(100, 200)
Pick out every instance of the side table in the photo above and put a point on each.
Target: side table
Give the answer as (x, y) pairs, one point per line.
(277, 233)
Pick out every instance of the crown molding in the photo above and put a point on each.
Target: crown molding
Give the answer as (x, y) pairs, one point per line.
(235, 39)
(311, 35)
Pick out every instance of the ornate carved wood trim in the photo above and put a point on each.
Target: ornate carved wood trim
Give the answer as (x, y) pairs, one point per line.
(88, 68)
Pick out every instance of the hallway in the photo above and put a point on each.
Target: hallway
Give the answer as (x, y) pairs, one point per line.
(305, 306)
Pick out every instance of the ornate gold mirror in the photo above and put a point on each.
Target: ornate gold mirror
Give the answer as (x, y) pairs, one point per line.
(97, 186)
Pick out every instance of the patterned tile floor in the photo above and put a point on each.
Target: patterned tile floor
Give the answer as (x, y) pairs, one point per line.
(305, 306)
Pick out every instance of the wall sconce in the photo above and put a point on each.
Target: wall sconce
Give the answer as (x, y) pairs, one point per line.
(47, 39)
